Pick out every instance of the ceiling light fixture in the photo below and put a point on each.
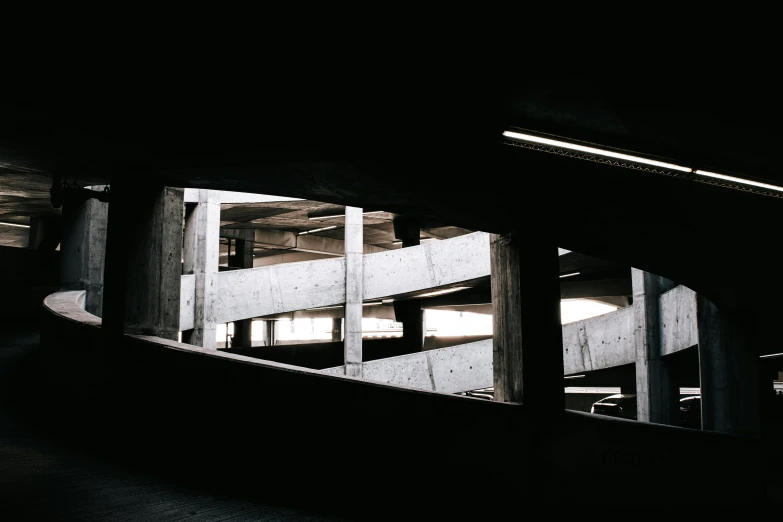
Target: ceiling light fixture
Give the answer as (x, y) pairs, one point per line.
(316, 230)
(593, 150)
(738, 180)
(14, 224)
(446, 291)
(398, 242)
(571, 274)
(636, 159)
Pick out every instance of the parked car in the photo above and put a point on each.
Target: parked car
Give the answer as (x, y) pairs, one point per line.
(690, 412)
(619, 405)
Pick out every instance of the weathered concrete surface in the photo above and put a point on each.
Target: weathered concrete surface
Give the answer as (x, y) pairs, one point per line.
(200, 258)
(656, 389)
(82, 249)
(599, 342)
(445, 370)
(269, 290)
(431, 265)
(354, 275)
(679, 327)
(258, 292)
(143, 265)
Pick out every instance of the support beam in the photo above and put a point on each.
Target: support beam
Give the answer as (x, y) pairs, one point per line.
(143, 260)
(202, 238)
(528, 337)
(657, 393)
(286, 240)
(728, 370)
(82, 250)
(269, 332)
(354, 240)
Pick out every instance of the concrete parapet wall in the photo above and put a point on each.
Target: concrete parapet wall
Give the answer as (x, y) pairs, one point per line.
(143, 399)
(268, 290)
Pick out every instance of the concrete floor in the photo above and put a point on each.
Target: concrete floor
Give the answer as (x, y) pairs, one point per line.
(43, 477)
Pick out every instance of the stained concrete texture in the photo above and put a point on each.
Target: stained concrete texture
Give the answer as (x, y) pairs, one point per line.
(263, 291)
(446, 370)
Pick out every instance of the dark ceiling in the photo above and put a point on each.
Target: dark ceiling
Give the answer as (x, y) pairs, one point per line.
(428, 144)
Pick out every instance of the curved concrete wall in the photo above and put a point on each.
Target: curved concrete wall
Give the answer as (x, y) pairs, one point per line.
(262, 291)
(253, 428)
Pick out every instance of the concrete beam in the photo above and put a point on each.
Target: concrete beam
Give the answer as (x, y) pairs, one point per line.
(599, 342)
(445, 370)
(265, 291)
(286, 240)
(228, 197)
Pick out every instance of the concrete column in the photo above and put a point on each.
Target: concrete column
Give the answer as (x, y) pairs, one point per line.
(44, 233)
(657, 393)
(143, 260)
(409, 312)
(728, 370)
(269, 331)
(354, 252)
(242, 258)
(202, 243)
(527, 335)
(82, 249)
(337, 329)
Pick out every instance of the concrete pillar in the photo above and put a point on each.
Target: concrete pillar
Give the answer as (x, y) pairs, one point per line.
(728, 370)
(202, 243)
(269, 331)
(242, 258)
(143, 260)
(337, 329)
(44, 233)
(527, 334)
(82, 249)
(409, 312)
(354, 252)
(657, 393)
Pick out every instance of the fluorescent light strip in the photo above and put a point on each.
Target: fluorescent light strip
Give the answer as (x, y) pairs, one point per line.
(569, 275)
(637, 159)
(446, 291)
(316, 230)
(592, 150)
(574, 377)
(398, 242)
(737, 180)
(14, 225)
(335, 216)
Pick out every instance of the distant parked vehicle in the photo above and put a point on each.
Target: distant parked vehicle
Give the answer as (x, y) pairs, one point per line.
(619, 405)
(690, 412)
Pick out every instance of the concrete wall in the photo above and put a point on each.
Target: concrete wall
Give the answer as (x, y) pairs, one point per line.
(599, 342)
(445, 370)
(679, 326)
(263, 428)
(27, 276)
(262, 291)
